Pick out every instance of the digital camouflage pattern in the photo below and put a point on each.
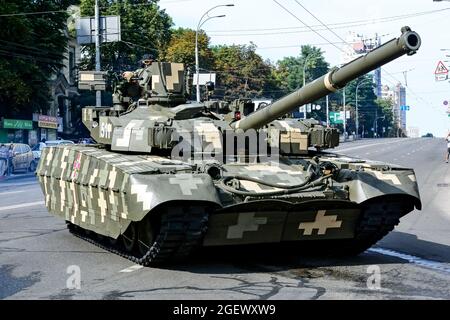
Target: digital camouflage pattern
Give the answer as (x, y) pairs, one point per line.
(168, 176)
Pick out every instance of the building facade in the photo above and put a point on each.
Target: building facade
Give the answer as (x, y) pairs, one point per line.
(398, 96)
(58, 118)
(358, 45)
(65, 94)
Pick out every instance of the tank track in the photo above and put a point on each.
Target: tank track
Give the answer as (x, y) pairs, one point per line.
(181, 232)
(376, 221)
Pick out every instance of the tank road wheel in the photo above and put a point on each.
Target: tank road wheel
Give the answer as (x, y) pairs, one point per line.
(129, 238)
(146, 236)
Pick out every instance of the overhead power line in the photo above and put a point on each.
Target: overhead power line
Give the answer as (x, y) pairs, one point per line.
(320, 21)
(31, 13)
(415, 96)
(309, 27)
(346, 24)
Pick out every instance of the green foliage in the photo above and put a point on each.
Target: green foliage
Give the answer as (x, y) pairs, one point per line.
(289, 74)
(241, 71)
(31, 50)
(289, 71)
(386, 106)
(145, 29)
(181, 48)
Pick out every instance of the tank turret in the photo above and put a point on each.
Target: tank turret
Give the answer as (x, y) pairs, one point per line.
(147, 100)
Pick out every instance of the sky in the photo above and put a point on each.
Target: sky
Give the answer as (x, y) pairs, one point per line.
(278, 34)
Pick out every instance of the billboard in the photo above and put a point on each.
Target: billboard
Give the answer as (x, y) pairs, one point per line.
(109, 29)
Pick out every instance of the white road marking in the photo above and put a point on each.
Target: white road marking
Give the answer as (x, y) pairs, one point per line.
(132, 268)
(368, 145)
(23, 205)
(10, 192)
(430, 264)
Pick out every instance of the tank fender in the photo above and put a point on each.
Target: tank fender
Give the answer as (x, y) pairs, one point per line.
(147, 191)
(370, 184)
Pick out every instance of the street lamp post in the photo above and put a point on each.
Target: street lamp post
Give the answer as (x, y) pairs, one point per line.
(356, 108)
(199, 25)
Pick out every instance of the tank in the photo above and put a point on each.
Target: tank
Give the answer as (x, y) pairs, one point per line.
(167, 176)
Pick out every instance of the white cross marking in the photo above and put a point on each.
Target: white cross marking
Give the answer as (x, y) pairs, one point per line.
(246, 222)
(322, 223)
(187, 183)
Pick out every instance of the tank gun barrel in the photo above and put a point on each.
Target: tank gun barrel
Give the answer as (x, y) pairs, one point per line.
(408, 43)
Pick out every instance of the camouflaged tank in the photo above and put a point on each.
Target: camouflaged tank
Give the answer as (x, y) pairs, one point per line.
(167, 176)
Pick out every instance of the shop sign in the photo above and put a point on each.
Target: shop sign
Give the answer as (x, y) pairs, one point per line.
(17, 124)
(47, 122)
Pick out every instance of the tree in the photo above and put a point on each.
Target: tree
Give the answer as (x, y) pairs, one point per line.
(31, 51)
(288, 74)
(145, 29)
(385, 106)
(181, 48)
(367, 107)
(241, 71)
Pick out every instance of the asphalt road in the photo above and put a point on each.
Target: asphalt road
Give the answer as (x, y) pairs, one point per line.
(38, 256)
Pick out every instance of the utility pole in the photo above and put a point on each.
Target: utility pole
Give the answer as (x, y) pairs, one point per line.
(328, 111)
(98, 94)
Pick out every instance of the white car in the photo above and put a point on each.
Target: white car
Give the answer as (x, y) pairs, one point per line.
(41, 145)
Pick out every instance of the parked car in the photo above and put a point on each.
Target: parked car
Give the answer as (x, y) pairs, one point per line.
(22, 158)
(41, 145)
(428, 135)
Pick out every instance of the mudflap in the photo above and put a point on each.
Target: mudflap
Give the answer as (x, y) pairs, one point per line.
(273, 221)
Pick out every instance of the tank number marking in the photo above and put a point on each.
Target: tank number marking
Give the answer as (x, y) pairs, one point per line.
(105, 130)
